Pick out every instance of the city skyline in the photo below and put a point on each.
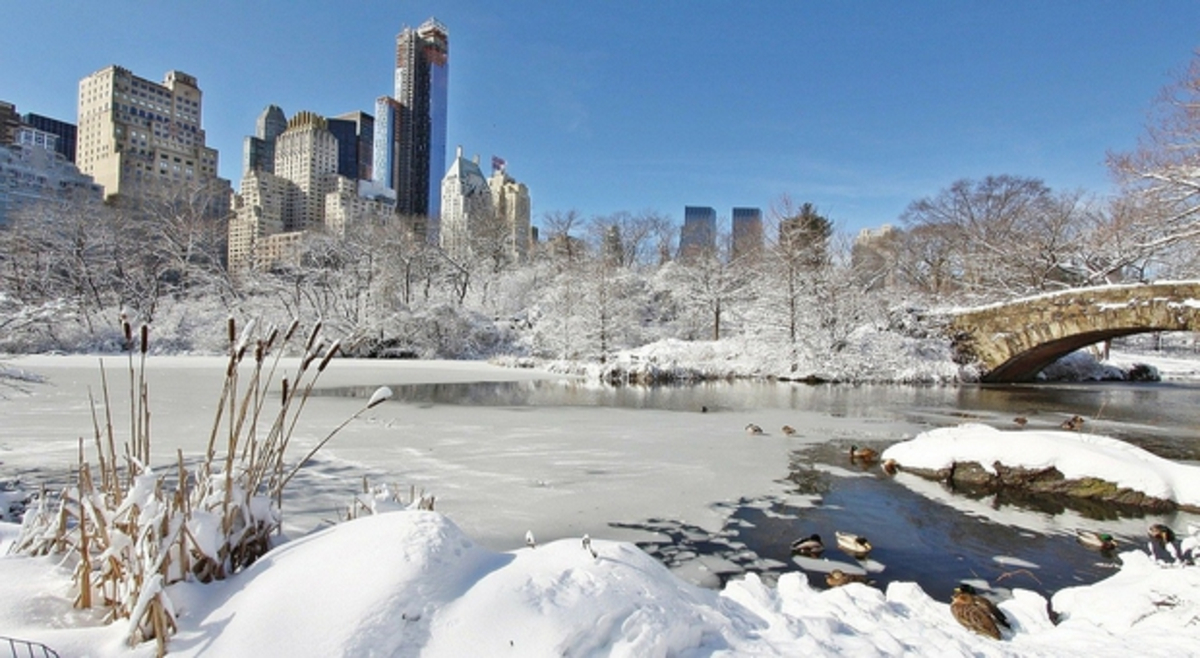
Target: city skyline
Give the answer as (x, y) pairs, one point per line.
(859, 109)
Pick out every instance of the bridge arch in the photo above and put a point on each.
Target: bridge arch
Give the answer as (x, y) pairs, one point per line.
(1013, 341)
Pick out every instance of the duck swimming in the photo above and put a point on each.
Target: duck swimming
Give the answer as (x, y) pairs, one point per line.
(853, 544)
(863, 454)
(810, 545)
(1099, 540)
(753, 429)
(1073, 424)
(789, 430)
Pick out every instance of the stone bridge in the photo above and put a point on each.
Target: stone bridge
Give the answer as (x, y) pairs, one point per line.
(1013, 341)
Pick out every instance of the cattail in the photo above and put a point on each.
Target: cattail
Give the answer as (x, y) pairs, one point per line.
(285, 390)
(291, 329)
(260, 350)
(231, 325)
(380, 395)
(127, 329)
(271, 336)
(329, 355)
(145, 338)
(312, 336)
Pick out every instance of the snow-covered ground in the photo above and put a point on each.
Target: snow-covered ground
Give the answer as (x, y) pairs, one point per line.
(412, 583)
(415, 583)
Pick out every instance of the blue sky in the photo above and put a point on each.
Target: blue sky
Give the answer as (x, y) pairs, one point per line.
(858, 107)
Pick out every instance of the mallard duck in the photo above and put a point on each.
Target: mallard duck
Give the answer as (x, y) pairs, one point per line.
(1073, 424)
(789, 430)
(810, 545)
(1093, 539)
(984, 601)
(1161, 533)
(863, 454)
(890, 466)
(837, 578)
(753, 429)
(973, 614)
(1021, 421)
(853, 544)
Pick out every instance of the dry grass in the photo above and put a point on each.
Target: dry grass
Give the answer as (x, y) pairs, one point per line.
(132, 529)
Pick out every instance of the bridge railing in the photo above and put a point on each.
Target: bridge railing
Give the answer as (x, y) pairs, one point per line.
(25, 649)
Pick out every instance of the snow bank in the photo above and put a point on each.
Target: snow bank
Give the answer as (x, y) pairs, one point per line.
(410, 582)
(1074, 454)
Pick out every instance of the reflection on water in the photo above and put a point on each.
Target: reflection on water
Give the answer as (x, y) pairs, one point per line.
(1161, 417)
(921, 532)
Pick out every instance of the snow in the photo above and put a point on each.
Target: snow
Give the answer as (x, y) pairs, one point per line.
(1075, 455)
(409, 583)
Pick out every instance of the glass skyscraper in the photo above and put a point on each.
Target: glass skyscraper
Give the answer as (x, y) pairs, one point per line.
(421, 87)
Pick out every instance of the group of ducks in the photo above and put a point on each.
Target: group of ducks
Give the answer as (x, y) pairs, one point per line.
(974, 611)
(1072, 424)
(856, 545)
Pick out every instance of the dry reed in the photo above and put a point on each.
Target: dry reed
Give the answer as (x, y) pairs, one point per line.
(132, 531)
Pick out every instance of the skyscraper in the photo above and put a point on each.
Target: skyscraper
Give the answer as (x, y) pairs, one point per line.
(139, 138)
(512, 208)
(258, 151)
(699, 233)
(421, 88)
(467, 200)
(356, 133)
(747, 233)
(306, 154)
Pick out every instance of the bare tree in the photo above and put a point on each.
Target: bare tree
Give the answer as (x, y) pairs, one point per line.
(1160, 179)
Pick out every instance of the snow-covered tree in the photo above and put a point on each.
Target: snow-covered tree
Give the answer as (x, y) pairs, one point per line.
(1160, 206)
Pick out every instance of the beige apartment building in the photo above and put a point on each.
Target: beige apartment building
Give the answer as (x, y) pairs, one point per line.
(138, 138)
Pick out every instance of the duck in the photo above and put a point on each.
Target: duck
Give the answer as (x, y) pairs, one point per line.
(789, 430)
(853, 544)
(1093, 539)
(891, 466)
(1021, 421)
(753, 429)
(810, 545)
(974, 613)
(863, 454)
(837, 578)
(1073, 424)
(1161, 533)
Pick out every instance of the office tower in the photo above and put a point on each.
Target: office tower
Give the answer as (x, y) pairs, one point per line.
(258, 150)
(66, 132)
(747, 231)
(356, 139)
(141, 139)
(511, 208)
(698, 237)
(421, 88)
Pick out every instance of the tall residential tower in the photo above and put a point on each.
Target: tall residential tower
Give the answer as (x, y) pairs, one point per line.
(421, 90)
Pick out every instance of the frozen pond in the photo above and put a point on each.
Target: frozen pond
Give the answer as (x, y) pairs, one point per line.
(673, 469)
